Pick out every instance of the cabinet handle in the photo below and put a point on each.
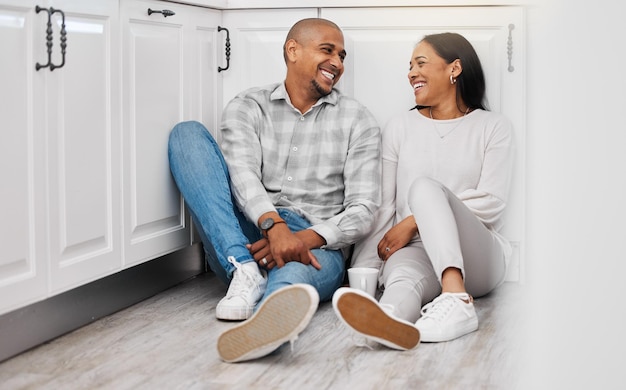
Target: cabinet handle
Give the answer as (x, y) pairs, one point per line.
(509, 48)
(227, 50)
(165, 12)
(63, 39)
(38, 66)
(50, 11)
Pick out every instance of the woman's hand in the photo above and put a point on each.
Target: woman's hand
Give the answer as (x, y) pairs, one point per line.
(397, 237)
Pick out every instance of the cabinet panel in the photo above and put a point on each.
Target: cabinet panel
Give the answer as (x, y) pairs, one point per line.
(379, 43)
(207, 53)
(169, 76)
(257, 47)
(157, 99)
(83, 160)
(153, 88)
(23, 272)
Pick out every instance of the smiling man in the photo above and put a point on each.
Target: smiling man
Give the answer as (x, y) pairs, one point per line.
(293, 184)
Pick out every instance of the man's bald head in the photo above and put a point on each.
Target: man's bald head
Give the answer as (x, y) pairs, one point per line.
(305, 28)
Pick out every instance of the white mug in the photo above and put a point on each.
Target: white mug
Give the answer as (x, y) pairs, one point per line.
(364, 279)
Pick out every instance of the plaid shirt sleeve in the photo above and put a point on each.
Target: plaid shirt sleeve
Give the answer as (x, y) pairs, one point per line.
(242, 149)
(361, 177)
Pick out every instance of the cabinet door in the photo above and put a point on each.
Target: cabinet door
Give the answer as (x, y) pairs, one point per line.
(205, 52)
(23, 261)
(379, 43)
(257, 38)
(169, 75)
(83, 131)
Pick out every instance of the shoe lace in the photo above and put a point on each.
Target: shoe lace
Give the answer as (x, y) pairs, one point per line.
(439, 308)
(242, 279)
(292, 343)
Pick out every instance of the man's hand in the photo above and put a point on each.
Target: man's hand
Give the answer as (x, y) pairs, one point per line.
(282, 246)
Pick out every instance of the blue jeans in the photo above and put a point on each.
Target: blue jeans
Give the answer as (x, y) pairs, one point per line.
(201, 174)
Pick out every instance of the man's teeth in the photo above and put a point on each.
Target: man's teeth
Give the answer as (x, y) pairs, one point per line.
(328, 74)
(418, 85)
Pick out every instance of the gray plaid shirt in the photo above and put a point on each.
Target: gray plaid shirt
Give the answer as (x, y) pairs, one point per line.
(324, 165)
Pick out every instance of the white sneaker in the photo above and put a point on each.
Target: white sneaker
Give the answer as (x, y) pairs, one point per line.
(246, 289)
(447, 317)
(364, 315)
(280, 318)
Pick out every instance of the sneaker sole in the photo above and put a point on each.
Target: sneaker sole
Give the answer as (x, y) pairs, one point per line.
(368, 319)
(232, 314)
(463, 330)
(280, 318)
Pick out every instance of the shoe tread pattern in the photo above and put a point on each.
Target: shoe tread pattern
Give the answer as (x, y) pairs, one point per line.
(369, 319)
(275, 322)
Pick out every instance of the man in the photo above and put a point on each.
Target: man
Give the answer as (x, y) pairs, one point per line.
(298, 183)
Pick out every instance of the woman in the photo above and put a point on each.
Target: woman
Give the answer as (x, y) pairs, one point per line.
(446, 173)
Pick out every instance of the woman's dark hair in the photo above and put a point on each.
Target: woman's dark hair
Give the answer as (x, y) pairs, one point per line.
(471, 82)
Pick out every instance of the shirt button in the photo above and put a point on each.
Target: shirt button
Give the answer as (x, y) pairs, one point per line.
(289, 178)
(301, 118)
(295, 149)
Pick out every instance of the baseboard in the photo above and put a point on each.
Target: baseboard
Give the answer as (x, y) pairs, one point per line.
(30, 326)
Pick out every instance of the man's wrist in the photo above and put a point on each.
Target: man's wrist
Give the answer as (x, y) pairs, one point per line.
(312, 239)
(268, 223)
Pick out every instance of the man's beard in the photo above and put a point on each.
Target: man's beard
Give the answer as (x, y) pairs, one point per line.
(319, 89)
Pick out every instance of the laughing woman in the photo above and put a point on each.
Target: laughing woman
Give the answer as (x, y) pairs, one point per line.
(446, 172)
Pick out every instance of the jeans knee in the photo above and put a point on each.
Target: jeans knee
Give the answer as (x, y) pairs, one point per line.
(187, 133)
(188, 129)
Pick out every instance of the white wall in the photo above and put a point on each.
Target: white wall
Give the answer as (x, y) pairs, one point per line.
(576, 184)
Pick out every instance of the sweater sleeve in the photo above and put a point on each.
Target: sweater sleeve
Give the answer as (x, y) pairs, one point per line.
(488, 200)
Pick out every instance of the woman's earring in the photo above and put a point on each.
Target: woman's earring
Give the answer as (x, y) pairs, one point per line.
(452, 80)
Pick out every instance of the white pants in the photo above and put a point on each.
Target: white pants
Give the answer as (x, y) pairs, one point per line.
(450, 236)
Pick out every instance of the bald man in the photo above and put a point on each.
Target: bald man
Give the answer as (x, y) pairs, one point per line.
(293, 184)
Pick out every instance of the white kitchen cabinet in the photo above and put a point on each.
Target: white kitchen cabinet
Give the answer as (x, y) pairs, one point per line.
(170, 75)
(87, 189)
(83, 134)
(61, 184)
(23, 261)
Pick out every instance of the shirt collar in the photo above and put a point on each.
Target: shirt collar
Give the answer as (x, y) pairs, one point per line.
(280, 92)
